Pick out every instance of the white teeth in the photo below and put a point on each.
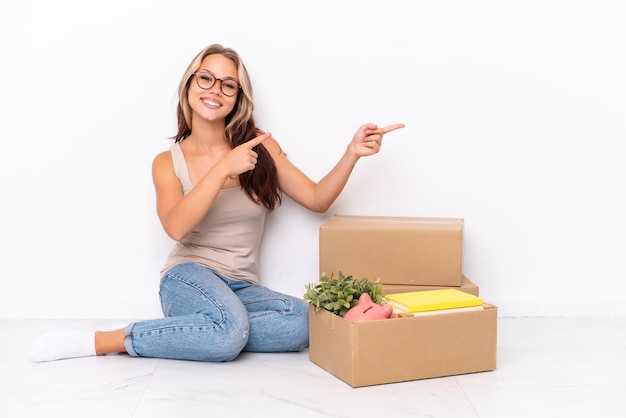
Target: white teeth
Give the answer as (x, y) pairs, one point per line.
(211, 103)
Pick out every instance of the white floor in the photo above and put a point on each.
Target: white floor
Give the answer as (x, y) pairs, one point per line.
(547, 367)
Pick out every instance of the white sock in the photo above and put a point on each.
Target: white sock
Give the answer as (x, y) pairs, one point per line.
(62, 344)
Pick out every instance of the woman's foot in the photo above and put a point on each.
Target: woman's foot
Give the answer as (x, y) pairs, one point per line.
(63, 344)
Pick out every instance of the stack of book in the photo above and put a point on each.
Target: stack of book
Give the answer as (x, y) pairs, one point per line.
(433, 301)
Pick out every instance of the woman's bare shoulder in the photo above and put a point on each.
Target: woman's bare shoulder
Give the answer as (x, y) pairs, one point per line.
(162, 157)
(273, 147)
(162, 162)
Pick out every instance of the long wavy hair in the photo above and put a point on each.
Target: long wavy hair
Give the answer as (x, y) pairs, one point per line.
(260, 184)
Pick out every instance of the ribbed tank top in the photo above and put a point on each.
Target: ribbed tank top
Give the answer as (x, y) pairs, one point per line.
(227, 240)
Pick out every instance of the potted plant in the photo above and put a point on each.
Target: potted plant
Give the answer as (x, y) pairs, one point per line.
(340, 294)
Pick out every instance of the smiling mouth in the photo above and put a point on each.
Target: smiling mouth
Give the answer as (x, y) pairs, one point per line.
(211, 103)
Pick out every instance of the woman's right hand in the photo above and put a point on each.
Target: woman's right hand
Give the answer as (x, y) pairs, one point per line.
(243, 157)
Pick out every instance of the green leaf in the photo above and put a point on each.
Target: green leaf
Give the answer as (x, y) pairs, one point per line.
(338, 295)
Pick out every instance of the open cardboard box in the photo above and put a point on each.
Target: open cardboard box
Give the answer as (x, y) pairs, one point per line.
(445, 343)
(394, 250)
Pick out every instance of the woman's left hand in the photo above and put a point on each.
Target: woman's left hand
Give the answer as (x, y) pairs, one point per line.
(369, 137)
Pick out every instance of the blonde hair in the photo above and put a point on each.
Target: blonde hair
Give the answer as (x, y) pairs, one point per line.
(244, 106)
(260, 184)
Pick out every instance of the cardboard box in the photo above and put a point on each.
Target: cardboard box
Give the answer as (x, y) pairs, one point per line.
(467, 286)
(446, 343)
(394, 250)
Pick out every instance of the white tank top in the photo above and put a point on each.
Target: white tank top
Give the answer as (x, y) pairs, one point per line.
(227, 240)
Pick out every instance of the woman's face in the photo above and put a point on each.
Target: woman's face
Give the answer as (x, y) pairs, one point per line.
(213, 91)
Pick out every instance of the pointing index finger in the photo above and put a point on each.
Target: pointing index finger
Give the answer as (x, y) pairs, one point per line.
(393, 127)
(259, 139)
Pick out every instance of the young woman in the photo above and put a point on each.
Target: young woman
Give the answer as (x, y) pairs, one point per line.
(214, 188)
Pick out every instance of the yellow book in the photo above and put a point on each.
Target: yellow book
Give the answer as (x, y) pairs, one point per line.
(432, 300)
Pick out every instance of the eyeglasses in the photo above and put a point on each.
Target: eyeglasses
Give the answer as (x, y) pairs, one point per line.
(207, 79)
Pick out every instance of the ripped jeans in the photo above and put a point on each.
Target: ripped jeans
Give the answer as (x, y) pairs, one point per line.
(211, 318)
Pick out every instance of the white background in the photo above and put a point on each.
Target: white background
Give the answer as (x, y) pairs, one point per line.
(515, 121)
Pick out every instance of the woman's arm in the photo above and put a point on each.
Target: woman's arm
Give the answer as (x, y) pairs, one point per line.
(319, 196)
(179, 213)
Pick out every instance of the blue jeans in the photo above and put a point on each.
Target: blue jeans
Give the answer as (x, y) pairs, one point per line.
(211, 318)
